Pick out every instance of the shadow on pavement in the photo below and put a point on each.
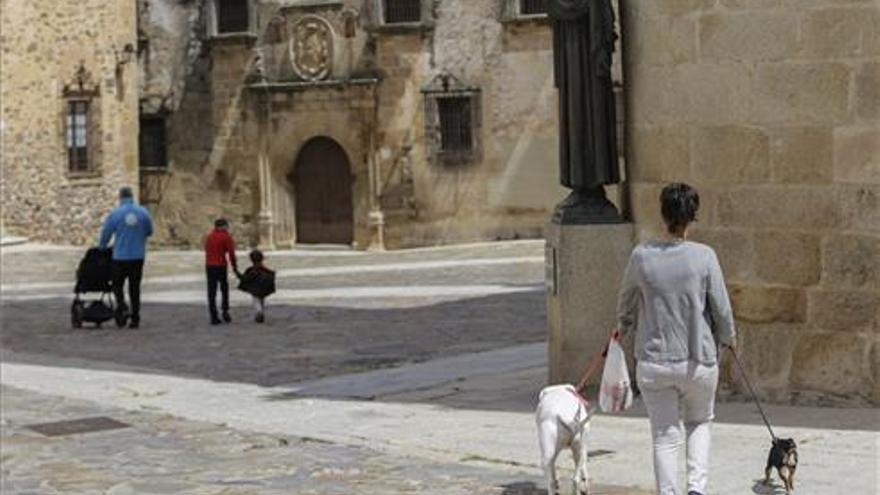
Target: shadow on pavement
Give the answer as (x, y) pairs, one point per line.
(522, 488)
(761, 489)
(297, 343)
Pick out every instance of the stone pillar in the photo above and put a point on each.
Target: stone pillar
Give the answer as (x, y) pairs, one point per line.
(584, 264)
(265, 225)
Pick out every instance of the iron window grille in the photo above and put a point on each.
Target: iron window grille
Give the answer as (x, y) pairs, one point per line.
(532, 7)
(452, 121)
(401, 11)
(232, 16)
(77, 135)
(454, 116)
(153, 152)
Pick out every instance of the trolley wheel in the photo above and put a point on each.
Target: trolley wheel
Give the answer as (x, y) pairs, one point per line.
(76, 314)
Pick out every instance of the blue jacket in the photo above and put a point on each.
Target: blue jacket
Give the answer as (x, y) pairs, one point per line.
(129, 225)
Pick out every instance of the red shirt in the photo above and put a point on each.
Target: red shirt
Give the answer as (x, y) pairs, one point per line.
(218, 245)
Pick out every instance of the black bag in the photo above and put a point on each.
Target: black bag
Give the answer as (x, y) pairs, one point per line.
(258, 282)
(98, 312)
(95, 271)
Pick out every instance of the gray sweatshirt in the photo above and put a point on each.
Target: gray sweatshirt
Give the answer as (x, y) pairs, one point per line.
(673, 293)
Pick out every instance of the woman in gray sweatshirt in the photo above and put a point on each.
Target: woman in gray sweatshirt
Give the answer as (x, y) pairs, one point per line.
(673, 296)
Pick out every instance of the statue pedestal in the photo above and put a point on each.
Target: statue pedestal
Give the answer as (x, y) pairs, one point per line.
(584, 265)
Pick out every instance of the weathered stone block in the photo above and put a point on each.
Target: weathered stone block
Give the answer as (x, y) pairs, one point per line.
(677, 7)
(844, 311)
(832, 363)
(857, 155)
(859, 206)
(868, 91)
(763, 304)
(786, 257)
(734, 248)
(781, 207)
(750, 36)
(730, 154)
(664, 40)
(795, 92)
(766, 352)
(801, 155)
(645, 205)
(716, 93)
(659, 153)
(851, 261)
(830, 33)
(659, 93)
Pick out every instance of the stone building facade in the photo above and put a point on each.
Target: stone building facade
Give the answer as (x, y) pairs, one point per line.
(771, 108)
(68, 114)
(401, 123)
(301, 84)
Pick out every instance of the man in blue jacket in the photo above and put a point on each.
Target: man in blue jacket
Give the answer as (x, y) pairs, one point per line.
(129, 225)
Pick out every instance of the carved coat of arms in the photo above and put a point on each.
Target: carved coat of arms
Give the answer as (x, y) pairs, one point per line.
(311, 48)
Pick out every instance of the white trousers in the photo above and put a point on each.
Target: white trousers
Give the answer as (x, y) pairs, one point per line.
(674, 392)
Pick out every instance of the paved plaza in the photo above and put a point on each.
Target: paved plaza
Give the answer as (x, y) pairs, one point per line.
(376, 373)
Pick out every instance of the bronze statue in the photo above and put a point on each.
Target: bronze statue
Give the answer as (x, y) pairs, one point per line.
(583, 41)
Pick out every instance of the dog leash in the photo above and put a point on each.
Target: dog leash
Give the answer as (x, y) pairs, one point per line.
(752, 391)
(595, 361)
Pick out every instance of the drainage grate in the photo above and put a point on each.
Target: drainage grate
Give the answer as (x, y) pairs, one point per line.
(75, 426)
(599, 453)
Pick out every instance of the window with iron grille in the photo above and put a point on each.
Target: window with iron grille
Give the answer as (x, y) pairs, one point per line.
(232, 16)
(401, 11)
(456, 130)
(153, 143)
(532, 7)
(77, 135)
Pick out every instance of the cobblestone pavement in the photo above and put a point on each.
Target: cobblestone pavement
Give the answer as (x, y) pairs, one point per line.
(160, 454)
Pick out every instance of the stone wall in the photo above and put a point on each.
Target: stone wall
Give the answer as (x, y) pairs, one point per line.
(42, 43)
(510, 189)
(770, 108)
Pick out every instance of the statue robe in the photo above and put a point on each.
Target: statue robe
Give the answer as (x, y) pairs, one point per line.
(583, 41)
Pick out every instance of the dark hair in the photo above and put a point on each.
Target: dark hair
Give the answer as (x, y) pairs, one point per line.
(221, 223)
(679, 203)
(125, 193)
(256, 256)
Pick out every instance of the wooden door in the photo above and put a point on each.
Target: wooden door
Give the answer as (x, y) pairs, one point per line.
(322, 187)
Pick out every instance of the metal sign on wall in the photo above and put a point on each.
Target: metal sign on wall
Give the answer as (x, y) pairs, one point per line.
(550, 279)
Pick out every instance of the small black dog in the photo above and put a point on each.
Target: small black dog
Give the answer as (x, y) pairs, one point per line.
(783, 456)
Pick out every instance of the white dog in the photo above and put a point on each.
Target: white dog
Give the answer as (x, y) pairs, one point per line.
(563, 420)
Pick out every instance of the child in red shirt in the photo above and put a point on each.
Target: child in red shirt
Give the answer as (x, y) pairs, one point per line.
(218, 247)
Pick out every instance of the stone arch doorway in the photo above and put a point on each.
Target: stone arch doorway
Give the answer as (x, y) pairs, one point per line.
(322, 180)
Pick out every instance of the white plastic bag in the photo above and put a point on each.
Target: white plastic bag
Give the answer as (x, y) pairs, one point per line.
(615, 393)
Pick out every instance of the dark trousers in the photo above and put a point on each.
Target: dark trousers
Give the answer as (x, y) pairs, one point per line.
(217, 276)
(131, 270)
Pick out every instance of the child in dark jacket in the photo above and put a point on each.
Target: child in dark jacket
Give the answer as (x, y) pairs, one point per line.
(259, 282)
